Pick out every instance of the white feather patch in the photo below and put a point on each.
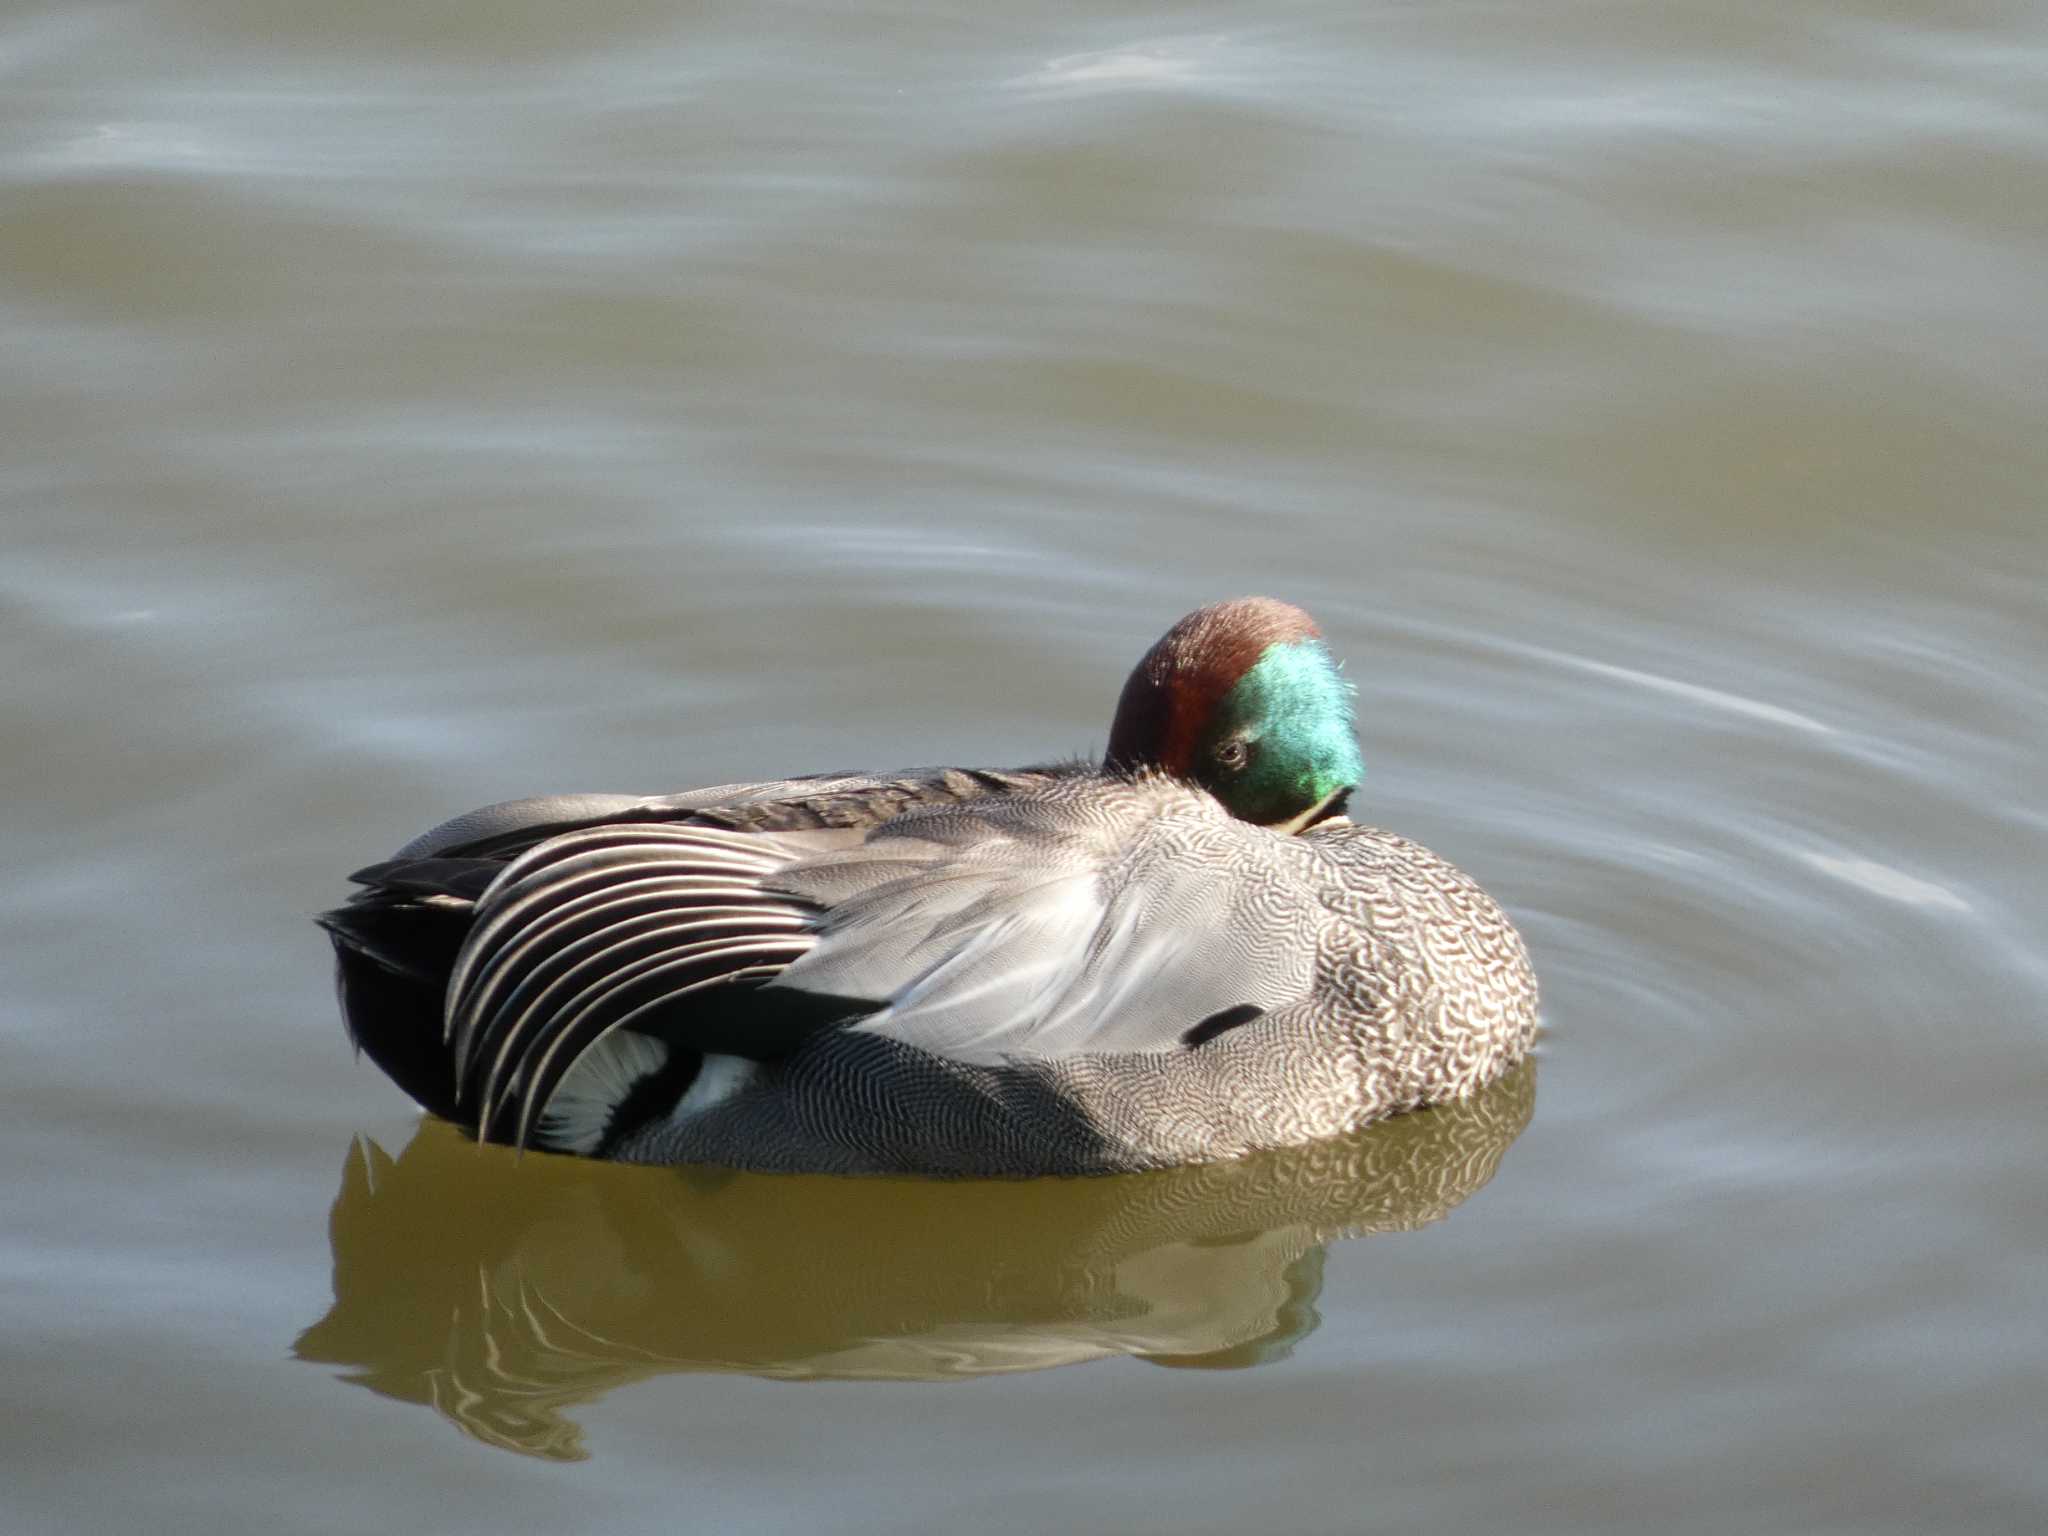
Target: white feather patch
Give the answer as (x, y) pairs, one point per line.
(581, 1110)
(719, 1079)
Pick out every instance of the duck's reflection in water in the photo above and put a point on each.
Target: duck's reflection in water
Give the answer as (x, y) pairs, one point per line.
(504, 1290)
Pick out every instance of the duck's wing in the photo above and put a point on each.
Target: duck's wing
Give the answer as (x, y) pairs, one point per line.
(412, 907)
(617, 925)
(1121, 919)
(398, 937)
(1124, 918)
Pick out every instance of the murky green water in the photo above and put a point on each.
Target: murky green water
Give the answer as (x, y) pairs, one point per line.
(403, 408)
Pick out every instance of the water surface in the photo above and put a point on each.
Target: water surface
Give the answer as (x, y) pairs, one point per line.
(403, 409)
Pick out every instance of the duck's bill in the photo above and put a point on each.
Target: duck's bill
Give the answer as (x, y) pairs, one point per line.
(1330, 808)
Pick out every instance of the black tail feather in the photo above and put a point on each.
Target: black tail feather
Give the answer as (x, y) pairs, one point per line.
(391, 973)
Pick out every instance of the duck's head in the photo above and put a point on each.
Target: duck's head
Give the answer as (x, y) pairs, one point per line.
(1244, 699)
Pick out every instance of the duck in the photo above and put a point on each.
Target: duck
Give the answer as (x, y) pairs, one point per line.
(1184, 952)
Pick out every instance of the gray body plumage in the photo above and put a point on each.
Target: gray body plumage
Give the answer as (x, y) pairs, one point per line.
(1386, 980)
(1051, 971)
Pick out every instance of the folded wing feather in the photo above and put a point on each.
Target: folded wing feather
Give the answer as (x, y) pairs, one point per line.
(1057, 924)
(1040, 925)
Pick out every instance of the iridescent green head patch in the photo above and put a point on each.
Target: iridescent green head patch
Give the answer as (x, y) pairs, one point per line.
(1283, 740)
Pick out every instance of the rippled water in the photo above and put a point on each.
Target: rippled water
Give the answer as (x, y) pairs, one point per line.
(404, 408)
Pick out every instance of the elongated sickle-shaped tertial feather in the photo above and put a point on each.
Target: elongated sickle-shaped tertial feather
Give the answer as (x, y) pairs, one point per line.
(517, 1029)
(660, 989)
(543, 964)
(532, 884)
(598, 928)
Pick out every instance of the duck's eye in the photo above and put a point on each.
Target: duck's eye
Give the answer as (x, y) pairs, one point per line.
(1233, 754)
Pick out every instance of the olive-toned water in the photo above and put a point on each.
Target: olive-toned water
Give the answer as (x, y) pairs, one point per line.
(407, 407)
